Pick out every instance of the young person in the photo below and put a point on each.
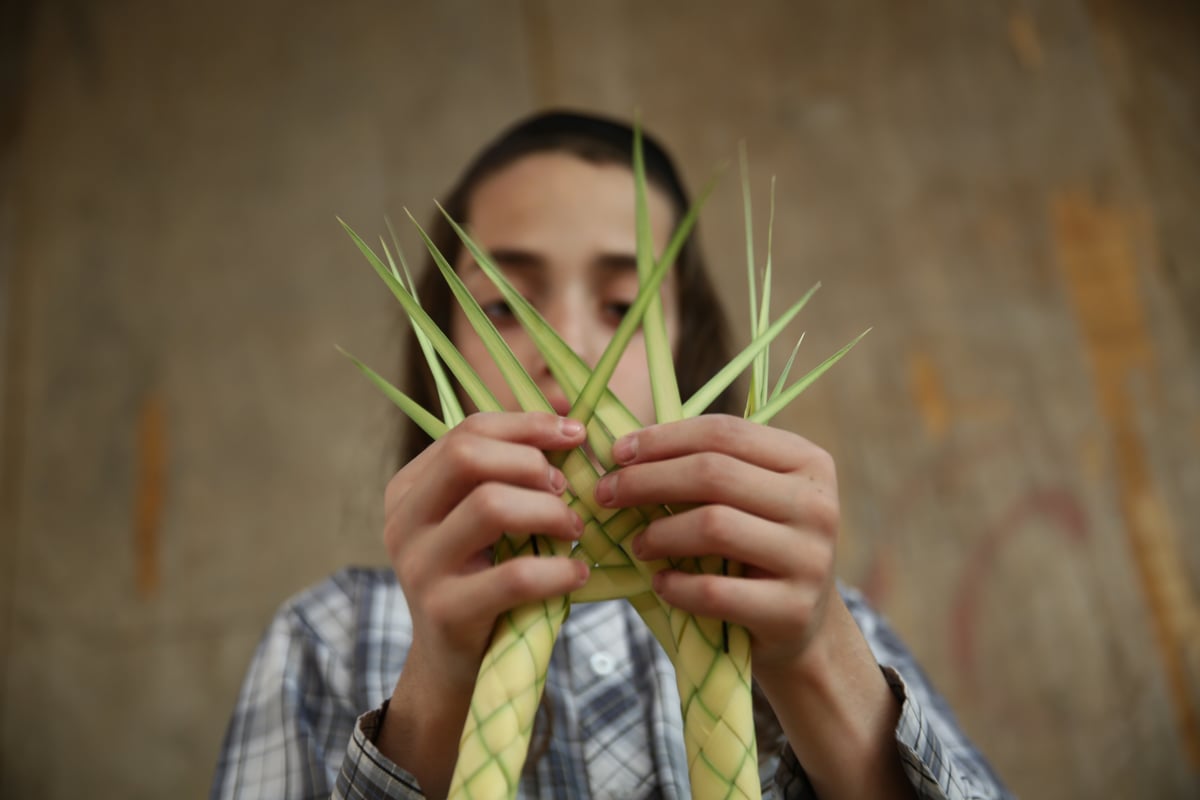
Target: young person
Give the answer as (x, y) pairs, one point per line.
(362, 684)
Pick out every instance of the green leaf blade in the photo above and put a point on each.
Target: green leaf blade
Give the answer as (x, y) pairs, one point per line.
(425, 420)
(470, 381)
(778, 403)
(663, 383)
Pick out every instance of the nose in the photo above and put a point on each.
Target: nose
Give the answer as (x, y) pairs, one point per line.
(574, 326)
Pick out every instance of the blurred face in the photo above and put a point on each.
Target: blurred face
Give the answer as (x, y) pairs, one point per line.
(562, 230)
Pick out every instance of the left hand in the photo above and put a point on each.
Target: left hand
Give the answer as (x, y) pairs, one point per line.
(764, 497)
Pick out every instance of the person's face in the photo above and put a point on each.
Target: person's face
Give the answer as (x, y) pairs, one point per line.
(563, 232)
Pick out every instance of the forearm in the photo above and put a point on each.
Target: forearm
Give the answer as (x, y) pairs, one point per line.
(423, 724)
(839, 714)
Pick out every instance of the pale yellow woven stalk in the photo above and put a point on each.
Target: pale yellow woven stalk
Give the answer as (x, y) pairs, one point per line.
(495, 739)
(718, 714)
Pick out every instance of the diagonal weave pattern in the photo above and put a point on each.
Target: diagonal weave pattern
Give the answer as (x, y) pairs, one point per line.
(712, 670)
(718, 714)
(509, 687)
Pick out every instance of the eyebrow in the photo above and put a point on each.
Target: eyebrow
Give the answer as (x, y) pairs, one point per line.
(526, 261)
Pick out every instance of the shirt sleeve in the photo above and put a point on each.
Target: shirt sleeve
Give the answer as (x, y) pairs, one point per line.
(939, 760)
(293, 716)
(367, 774)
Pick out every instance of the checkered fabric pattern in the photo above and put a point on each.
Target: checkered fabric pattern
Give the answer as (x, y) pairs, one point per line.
(334, 652)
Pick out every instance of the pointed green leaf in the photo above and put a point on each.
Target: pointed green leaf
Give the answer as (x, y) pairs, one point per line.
(777, 404)
(762, 373)
(744, 162)
(470, 381)
(528, 395)
(663, 384)
(718, 383)
(787, 368)
(424, 420)
(452, 412)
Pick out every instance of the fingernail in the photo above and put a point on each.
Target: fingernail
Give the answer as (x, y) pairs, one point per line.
(638, 546)
(606, 489)
(578, 522)
(570, 427)
(625, 449)
(558, 481)
(581, 572)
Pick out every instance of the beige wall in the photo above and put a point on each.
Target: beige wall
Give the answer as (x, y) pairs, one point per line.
(1003, 190)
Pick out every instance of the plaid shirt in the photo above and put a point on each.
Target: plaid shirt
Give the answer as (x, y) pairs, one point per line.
(335, 651)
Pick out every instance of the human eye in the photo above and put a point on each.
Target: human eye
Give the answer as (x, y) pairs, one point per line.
(615, 310)
(498, 311)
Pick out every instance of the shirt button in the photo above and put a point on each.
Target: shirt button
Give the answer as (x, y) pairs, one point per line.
(603, 663)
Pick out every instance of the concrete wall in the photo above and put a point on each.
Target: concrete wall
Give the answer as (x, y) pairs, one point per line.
(1006, 191)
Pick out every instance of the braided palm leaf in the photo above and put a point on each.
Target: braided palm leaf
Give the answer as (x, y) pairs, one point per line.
(711, 657)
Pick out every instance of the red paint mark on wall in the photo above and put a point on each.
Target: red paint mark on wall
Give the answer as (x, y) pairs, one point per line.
(1057, 505)
(942, 474)
(149, 492)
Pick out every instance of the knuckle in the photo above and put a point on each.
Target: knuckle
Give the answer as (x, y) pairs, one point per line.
(533, 466)
(825, 514)
(488, 501)
(457, 446)
(706, 470)
(715, 527)
(461, 454)
(709, 470)
(725, 431)
(523, 577)
(475, 423)
(709, 592)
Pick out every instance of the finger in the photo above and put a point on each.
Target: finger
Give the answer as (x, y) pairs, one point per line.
(769, 448)
(718, 530)
(702, 478)
(467, 460)
(766, 607)
(535, 430)
(463, 600)
(541, 430)
(493, 508)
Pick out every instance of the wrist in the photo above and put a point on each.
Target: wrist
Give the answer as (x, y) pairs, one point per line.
(838, 712)
(424, 721)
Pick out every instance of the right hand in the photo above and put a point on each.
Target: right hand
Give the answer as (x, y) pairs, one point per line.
(449, 506)
(444, 512)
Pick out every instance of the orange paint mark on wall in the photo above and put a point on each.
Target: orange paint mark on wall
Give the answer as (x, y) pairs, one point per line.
(1095, 252)
(1025, 40)
(148, 502)
(929, 394)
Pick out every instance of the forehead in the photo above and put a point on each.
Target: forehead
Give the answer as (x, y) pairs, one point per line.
(559, 196)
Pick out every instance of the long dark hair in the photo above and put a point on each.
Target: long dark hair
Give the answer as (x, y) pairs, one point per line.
(702, 321)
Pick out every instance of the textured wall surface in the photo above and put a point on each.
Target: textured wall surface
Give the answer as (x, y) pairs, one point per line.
(1006, 191)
